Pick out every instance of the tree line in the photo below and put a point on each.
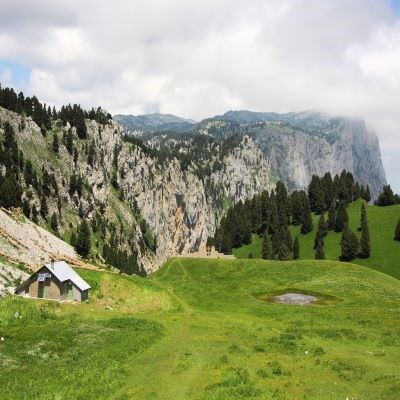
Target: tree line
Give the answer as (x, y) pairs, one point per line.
(43, 114)
(269, 215)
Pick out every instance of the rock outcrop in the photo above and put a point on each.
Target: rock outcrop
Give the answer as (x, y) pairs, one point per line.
(131, 188)
(299, 145)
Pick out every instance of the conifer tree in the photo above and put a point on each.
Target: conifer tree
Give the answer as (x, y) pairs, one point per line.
(297, 208)
(69, 142)
(91, 155)
(322, 225)
(284, 254)
(319, 247)
(296, 249)
(365, 245)
(273, 217)
(55, 145)
(82, 245)
(307, 225)
(349, 245)
(54, 222)
(332, 217)
(72, 239)
(397, 232)
(76, 155)
(26, 208)
(341, 217)
(35, 214)
(43, 207)
(367, 196)
(266, 247)
(386, 198)
(10, 191)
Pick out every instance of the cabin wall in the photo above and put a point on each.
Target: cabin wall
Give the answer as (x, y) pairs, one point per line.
(85, 295)
(76, 293)
(34, 286)
(51, 288)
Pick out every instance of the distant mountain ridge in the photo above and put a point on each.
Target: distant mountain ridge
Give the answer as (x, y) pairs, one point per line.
(153, 122)
(297, 145)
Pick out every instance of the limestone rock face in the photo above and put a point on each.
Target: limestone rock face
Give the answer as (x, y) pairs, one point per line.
(296, 155)
(180, 208)
(299, 145)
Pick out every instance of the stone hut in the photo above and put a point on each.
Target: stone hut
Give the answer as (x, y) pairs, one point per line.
(55, 281)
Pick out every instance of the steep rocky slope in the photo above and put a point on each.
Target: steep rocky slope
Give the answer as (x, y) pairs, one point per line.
(299, 145)
(147, 206)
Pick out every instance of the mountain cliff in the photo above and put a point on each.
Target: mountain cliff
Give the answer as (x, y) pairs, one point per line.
(299, 145)
(144, 205)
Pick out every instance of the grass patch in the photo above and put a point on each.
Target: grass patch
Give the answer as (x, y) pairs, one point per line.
(195, 330)
(385, 252)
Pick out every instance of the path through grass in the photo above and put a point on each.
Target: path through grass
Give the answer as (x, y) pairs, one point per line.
(210, 336)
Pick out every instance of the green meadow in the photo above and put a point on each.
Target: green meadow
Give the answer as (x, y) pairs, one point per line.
(385, 252)
(208, 329)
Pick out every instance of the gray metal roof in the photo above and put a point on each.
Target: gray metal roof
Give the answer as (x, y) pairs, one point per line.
(63, 272)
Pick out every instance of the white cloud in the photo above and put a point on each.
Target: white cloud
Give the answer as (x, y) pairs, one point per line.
(198, 59)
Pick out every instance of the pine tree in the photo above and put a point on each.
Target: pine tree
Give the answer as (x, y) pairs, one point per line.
(322, 225)
(72, 239)
(26, 208)
(55, 145)
(43, 207)
(297, 208)
(76, 155)
(386, 198)
(367, 196)
(349, 245)
(69, 142)
(332, 217)
(266, 247)
(365, 246)
(81, 129)
(284, 254)
(10, 191)
(341, 217)
(296, 249)
(35, 214)
(82, 245)
(397, 232)
(54, 222)
(307, 225)
(92, 154)
(319, 248)
(273, 222)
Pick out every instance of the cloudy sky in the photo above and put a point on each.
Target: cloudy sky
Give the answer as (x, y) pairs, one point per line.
(201, 58)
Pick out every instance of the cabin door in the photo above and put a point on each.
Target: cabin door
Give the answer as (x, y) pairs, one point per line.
(40, 290)
(70, 294)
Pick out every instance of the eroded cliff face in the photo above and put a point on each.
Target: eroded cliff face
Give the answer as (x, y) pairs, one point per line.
(182, 209)
(296, 155)
(126, 184)
(299, 145)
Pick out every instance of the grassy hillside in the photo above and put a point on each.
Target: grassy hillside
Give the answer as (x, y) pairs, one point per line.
(198, 329)
(385, 252)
